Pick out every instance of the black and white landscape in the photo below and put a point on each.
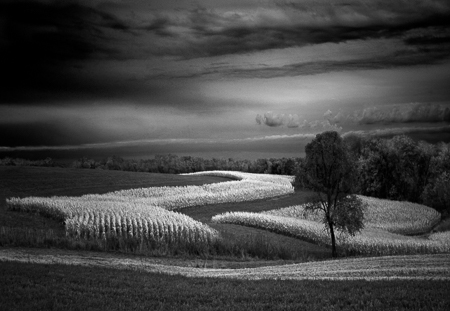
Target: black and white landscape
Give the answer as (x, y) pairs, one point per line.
(224, 155)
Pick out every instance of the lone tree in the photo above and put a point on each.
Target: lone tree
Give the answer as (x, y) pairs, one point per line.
(330, 173)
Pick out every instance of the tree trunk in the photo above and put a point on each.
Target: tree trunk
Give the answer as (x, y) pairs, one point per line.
(333, 240)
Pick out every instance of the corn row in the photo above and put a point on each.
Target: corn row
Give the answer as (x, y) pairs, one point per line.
(101, 218)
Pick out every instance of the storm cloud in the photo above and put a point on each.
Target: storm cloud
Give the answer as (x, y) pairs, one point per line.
(205, 33)
(398, 59)
(52, 47)
(46, 46)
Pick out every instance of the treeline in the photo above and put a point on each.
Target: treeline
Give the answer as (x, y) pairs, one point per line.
(173, 164)
(403, 169)
(47, 162)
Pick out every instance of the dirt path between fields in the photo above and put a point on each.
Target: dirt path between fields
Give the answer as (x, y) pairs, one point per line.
(410, 267)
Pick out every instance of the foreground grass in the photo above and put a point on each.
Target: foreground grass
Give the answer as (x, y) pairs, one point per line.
(27, 286)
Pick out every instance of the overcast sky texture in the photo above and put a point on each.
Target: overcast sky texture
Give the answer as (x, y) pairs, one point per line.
(211, 74)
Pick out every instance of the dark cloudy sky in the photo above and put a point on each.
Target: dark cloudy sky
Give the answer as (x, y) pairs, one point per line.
(93, 73)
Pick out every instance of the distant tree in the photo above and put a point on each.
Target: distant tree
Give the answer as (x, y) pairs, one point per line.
(436, 193)
(300, 174)
(355, 143)
(406, 154)
(85, 162)
(289, 166)
(260, 165)
(330, 174)
(398, 168)
(426, 152)
(47, 162)
(376, 167)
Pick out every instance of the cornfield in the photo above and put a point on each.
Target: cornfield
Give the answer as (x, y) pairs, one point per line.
(393, 216)
(99, 219)
(370, 241)
(146, 214)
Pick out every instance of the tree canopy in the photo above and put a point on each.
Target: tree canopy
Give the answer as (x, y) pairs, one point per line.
(330, 172)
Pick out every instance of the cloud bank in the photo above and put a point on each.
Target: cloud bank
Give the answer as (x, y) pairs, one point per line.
(274, 120)
(388, 114)
(400, 131)
(293, 121)
(413, 112)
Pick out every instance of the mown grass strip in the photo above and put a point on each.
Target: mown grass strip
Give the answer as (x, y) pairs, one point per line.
(421, 267)
(63, 287)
